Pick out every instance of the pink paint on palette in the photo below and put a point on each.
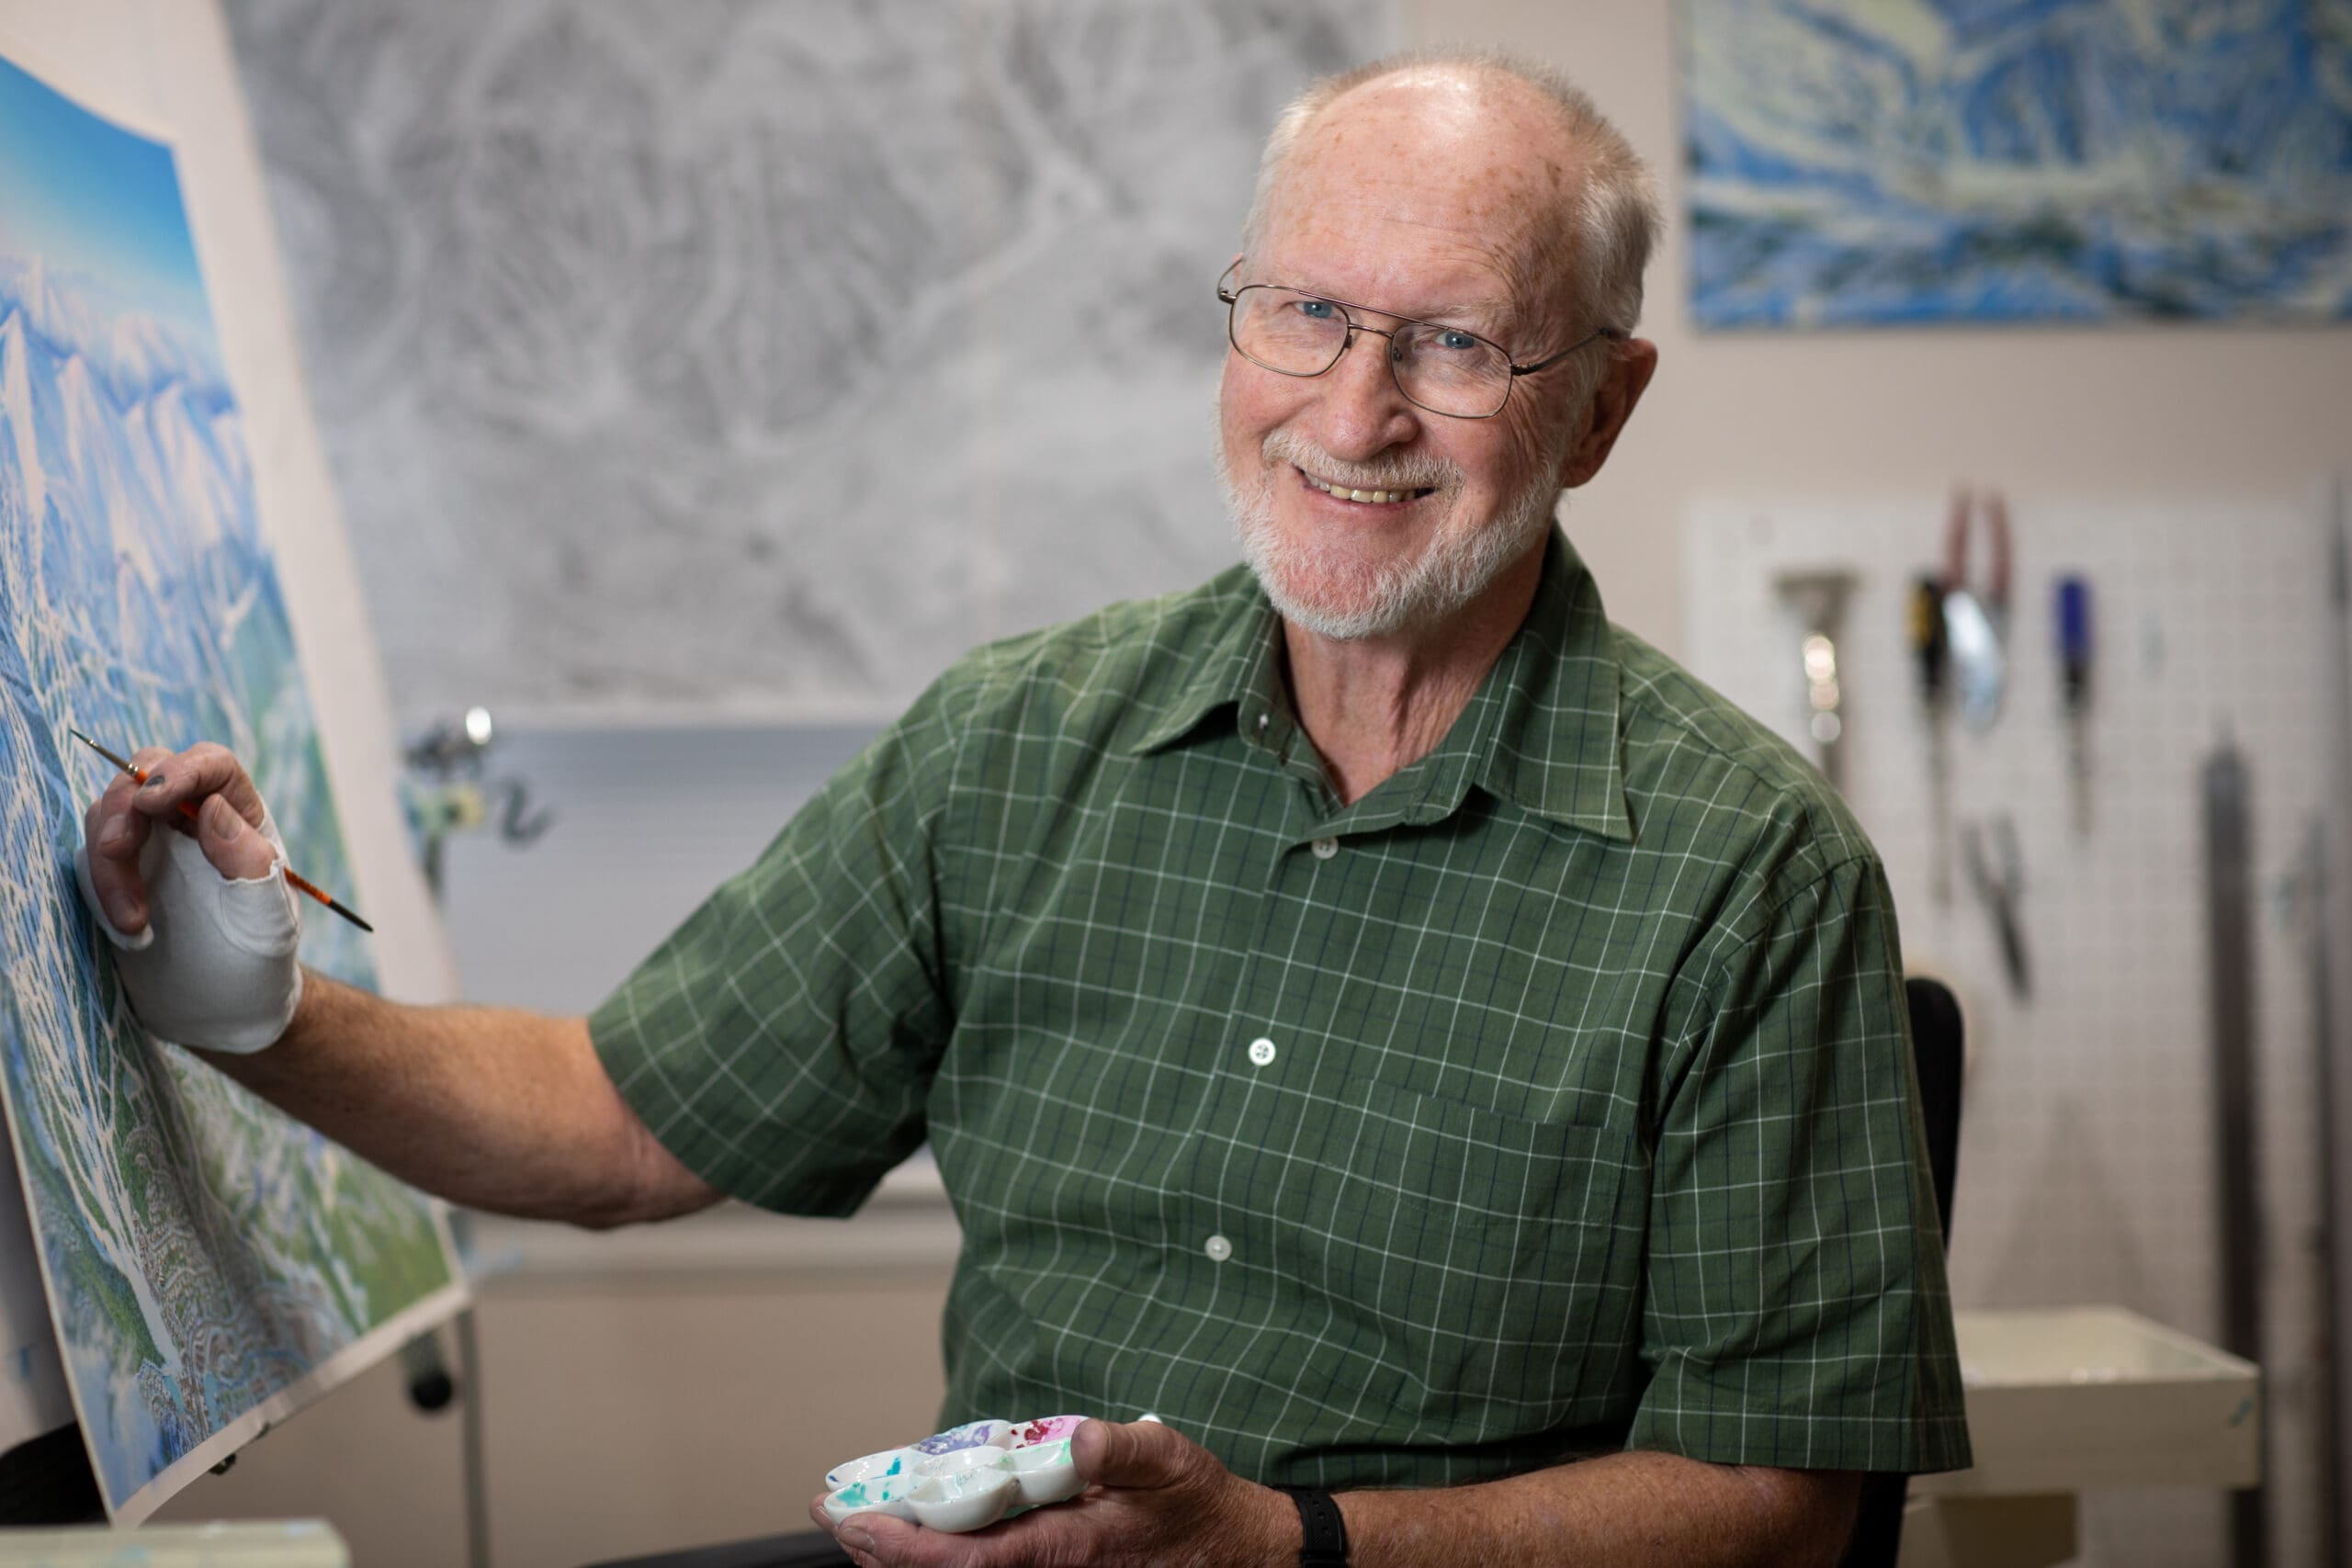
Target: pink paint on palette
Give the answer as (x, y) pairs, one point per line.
(1049, 1429)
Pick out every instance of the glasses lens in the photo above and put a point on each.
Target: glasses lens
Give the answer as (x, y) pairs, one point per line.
(1294, 333)
(1450, 371)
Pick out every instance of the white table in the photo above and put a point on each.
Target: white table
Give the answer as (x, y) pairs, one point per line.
(2062, 1400)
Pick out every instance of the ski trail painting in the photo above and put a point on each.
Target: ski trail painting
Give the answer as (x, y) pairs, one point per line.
(209, 1264)
(1858, 162)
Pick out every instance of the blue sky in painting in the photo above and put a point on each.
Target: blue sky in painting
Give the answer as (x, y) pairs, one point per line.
(85, 196)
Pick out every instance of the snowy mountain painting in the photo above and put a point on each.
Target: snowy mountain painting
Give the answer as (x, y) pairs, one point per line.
(208, 1264)
(1858, 161)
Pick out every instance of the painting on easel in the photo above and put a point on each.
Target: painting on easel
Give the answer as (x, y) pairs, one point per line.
(208, 1264)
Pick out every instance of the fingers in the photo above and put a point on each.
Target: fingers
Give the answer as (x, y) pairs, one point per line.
(236, 850)
(114, 833)
(203, 769)
(854, 1537)
(852, 1534)
(118, 825)
(884, 1541)
(1135, 1453)
(877, 1540)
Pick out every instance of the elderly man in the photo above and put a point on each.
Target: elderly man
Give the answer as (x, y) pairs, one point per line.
(1369, 1011)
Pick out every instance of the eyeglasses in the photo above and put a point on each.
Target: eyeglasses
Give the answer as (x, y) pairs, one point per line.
(1444, 369)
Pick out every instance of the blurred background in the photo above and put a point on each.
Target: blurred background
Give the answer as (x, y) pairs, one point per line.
(698, 380)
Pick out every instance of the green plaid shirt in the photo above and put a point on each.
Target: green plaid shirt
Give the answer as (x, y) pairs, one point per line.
(1552, 1098)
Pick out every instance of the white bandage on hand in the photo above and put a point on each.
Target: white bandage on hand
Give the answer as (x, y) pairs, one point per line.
(215, 967)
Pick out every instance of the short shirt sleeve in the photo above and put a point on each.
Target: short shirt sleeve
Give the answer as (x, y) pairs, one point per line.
(1796, 1311)
(780, 1041)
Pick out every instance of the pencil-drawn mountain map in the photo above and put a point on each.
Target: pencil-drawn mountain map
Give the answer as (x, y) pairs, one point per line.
(759, 357)
(209, 1263)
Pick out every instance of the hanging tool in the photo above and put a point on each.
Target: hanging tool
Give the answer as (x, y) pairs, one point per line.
(2305, 900)
(2074, 617)
(2229, 947)
(2331, 961)
(453, 756)
(1924, 630)
(1999, 887)
(1976, 621)
(1819, 599)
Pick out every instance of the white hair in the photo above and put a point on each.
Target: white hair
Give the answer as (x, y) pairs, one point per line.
(1596, 249)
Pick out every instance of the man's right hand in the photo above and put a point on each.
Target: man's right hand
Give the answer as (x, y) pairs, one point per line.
(491, 1107)
(203, 924)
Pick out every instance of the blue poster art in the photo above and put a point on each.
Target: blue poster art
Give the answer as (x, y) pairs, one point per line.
(1867, 161)
(208, 1262)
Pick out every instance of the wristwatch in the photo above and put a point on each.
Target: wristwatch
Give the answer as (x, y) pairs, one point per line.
(1323, 1534)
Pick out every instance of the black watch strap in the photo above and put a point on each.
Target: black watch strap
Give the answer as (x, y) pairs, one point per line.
(1323, 1542)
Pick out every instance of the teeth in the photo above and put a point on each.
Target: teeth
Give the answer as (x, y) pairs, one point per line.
(1381, 497)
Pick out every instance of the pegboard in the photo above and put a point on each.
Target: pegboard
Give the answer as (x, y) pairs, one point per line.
(2087, 1168)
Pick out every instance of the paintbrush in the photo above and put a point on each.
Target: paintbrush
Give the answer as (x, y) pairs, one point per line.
(188, 811)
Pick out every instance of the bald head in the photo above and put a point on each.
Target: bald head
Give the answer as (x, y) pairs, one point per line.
(1497, 148)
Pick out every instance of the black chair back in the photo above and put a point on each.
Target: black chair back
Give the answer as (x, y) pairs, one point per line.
(1936, 1039)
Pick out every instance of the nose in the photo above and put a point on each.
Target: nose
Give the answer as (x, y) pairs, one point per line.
(1360, 413)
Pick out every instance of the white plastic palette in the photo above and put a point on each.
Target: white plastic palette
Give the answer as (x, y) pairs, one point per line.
(965, 1478)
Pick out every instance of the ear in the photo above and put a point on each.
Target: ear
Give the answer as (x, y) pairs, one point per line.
(1630, 369)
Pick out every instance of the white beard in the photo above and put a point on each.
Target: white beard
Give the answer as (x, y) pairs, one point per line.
(1321, 588)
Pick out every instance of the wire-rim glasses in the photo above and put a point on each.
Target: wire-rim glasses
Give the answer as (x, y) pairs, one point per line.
(1447, 370)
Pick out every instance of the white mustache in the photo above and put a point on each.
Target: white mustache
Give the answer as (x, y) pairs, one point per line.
(1427, 473)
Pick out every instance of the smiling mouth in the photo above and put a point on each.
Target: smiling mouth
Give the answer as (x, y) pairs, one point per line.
(1368, 497)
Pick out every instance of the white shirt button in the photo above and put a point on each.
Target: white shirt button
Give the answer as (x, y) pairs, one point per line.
(1261, 1051)
(1218, 1250)
(1324, 848)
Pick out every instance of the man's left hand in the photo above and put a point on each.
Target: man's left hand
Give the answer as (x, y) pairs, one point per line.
(1154, 1499)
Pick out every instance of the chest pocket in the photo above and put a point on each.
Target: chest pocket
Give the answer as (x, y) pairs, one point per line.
(1495, 1261)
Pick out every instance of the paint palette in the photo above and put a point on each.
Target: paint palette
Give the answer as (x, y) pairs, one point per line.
(965, 1478)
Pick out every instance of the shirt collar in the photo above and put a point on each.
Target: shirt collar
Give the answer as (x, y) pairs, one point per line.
(1550, 737)
(1541, 733)
(1231, 663)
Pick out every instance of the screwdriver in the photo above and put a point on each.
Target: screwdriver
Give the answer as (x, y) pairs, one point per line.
(188, 809)
(1929, 651)
(2073, 609)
